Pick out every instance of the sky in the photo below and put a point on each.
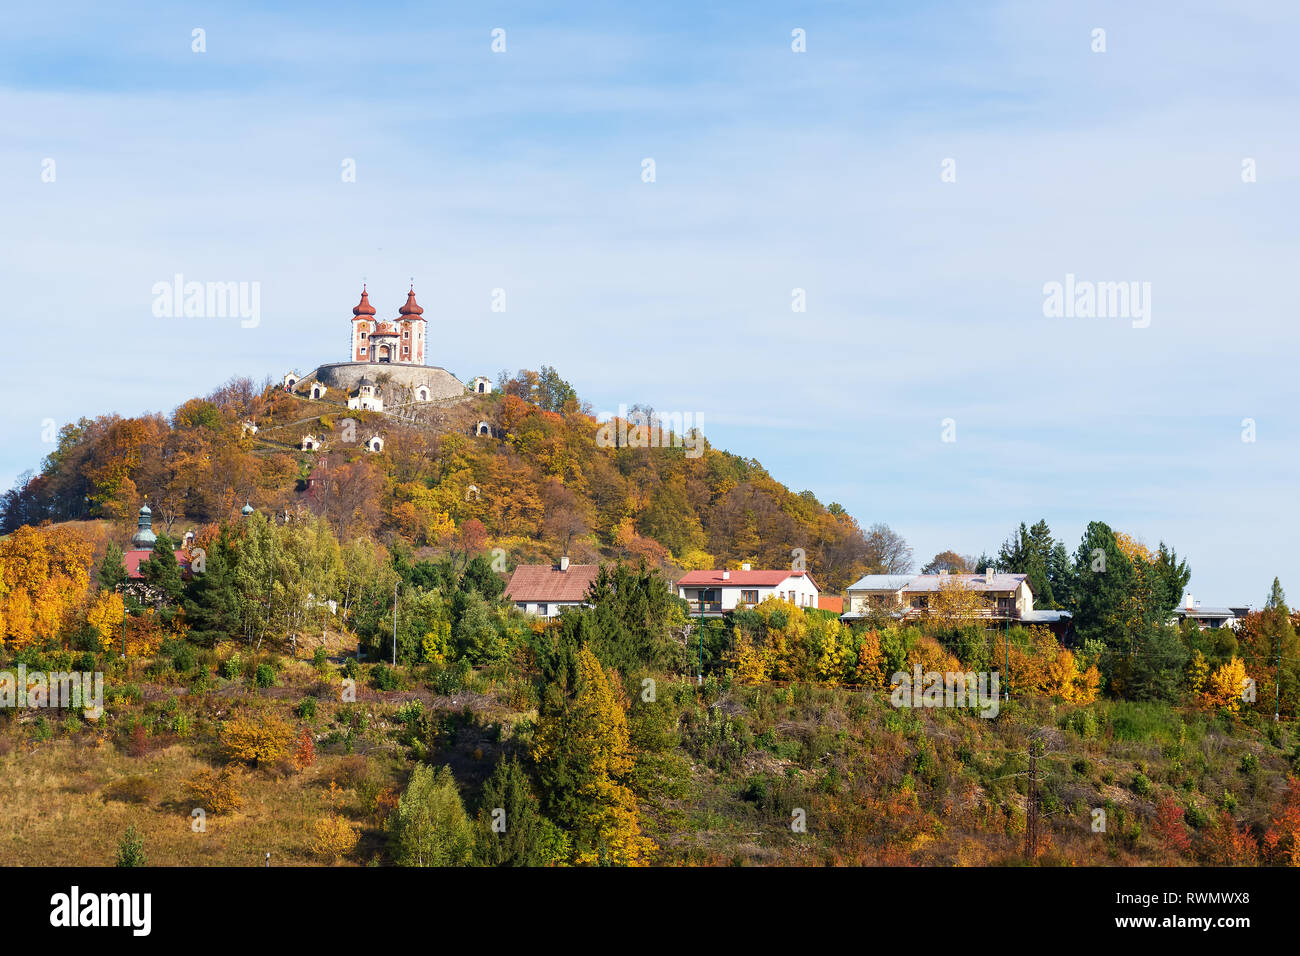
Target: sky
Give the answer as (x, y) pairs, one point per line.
(920, 170)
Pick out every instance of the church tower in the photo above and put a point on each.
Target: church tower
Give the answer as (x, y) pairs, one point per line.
(411, 322)
(362, 317)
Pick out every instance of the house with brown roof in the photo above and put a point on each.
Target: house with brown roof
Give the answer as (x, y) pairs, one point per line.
(546, 589)
(714, 593)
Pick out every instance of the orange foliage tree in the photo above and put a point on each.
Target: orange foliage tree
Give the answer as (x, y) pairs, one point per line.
(44, 579)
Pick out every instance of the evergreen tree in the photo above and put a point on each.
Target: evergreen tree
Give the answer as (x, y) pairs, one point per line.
(634, 616)
(112, 569)
(162, 573)
(1029, 551)
(479, 576)
(510, 829)
(584, 761)
(213, 602)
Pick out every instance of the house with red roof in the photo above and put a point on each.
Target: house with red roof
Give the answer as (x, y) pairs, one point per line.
(546, 589)
(714, 593)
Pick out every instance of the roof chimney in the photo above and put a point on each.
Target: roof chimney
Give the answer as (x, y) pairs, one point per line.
(1190, 602)
(744, 567)
(564, 562)
(726, 575)
(988, 575)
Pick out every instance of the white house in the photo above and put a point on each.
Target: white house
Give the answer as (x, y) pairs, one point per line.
(482, 385)
(317, 390)
(367, 397)
(310, 443)
(719, 592)
(1008, 597)
(291, 379)
(878, 591)
(483, 429)
(1208, 617)
(546, 589)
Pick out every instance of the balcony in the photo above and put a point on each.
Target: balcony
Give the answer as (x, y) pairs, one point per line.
(703, 607)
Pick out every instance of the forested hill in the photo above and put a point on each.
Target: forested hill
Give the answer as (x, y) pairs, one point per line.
(540, 485)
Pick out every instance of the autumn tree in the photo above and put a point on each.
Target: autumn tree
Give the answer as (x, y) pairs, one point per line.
(430, 827)
(584, 760)
(1170, 827)
(255, 740)
(44, 579)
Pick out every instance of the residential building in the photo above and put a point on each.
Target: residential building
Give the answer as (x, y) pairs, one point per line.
(1209, 616)
(714, 593)
(1008, 597)
(547, 589)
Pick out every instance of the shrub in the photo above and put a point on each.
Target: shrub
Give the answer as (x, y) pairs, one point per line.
(334, 837)
(232, 667)
(182, 655)
(264, 676)
(130, 849)
(217, 792)
(1141, 785)
(320, 658)
(304, 753)
(138, 746)
(306, 709)
(254, 740)
(383, 677)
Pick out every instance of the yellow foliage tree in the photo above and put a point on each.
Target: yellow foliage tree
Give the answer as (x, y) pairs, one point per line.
(590, 735)
(44, 577)
(956, 602)
(333, 837)
(252, 740)
(1226, 686)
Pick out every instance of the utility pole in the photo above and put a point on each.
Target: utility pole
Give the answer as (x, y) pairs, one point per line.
(1031, 804)
(1277, 698)
(700, 673)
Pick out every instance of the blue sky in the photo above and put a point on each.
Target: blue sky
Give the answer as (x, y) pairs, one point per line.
(775, 170)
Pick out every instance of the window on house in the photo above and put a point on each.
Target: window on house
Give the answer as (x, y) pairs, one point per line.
(363, 335)
(363, 350)
(748, 597)
(543, 609)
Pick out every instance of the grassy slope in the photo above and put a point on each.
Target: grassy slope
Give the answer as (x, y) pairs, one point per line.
(878, 785)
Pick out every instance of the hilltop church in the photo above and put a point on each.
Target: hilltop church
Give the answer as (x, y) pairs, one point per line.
(398, 344)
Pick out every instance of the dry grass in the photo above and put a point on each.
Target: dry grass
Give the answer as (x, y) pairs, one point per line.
(61, 803)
